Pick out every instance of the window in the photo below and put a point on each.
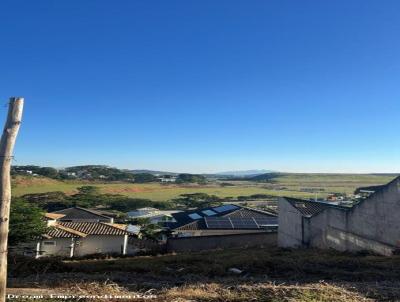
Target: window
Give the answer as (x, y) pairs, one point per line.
(209, 212)
(225, 208)
(194, 216)
(49, 243)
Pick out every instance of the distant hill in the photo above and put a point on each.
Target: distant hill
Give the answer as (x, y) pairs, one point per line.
(265, 176)
(153, 172)
(245, 173)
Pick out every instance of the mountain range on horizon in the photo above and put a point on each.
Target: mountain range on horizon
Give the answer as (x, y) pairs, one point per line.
(242, 173)
(239, 173)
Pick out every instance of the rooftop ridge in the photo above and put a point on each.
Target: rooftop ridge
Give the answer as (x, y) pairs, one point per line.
(69, 230)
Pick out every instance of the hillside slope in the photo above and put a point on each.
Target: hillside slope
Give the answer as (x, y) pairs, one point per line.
(267, 275)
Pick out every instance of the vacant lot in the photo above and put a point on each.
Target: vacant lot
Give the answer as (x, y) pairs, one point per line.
(295, 185)
(267, 275)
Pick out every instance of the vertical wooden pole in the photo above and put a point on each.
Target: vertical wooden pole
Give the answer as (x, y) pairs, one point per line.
(7, 143)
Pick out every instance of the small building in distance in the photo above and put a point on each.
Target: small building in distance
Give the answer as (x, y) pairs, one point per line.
(371, 224)
(167, 178)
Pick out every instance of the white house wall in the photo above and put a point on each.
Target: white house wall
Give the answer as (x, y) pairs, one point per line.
(61, 248)
(94, 244)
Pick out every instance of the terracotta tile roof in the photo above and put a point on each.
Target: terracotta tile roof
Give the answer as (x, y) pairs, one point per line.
(95, 228)
(117, 225)
(83, 229)
(58, 231)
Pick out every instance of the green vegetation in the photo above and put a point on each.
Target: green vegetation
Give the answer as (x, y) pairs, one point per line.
(89, 197)
(285, 185)
(43, 171)
(144, 178)
(97, 172)
(26, 222)
(198, 200)
(191, 178)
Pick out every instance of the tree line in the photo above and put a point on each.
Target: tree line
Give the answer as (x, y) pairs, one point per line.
(99, 172)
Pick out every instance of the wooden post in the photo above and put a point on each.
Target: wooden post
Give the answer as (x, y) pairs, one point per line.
(7, 143)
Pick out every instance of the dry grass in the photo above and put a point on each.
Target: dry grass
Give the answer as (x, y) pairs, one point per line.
(207, 292)
(293, 184)
(263, 292)
(268, 275)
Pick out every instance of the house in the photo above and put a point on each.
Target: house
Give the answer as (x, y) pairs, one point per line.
(78, 232)
(371, 224)
(154, 215)
(226, 226)
(225, 219)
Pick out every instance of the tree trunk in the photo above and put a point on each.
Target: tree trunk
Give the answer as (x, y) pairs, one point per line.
(7, 143)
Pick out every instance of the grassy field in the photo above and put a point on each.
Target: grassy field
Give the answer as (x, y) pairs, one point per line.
(289, 185)
(267, 275)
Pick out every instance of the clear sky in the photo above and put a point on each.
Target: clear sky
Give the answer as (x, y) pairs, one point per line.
(204, 86)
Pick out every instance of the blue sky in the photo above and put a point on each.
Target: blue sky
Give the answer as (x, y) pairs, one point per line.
(204, 86)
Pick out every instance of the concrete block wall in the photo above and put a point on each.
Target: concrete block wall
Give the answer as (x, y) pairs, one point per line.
(371, 225)
(290, 231)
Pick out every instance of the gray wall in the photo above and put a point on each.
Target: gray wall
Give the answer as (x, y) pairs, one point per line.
(290, 225)
(186, 244)
(373, 224)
